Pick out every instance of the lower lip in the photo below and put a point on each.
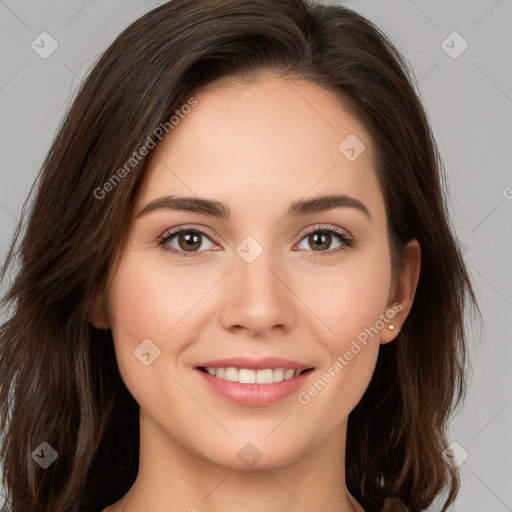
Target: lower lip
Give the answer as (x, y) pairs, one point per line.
(254, 395)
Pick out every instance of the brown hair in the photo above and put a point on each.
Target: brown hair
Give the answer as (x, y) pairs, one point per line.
(60, 380)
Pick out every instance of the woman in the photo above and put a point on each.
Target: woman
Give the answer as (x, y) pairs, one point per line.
(238, 286)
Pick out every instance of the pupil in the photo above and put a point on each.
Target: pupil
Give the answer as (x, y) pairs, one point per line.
(191, 241)
(322, 238)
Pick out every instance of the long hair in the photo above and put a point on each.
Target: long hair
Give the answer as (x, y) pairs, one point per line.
(60, 381)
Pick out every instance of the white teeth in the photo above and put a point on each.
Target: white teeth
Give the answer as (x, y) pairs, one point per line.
(231, 374)
(246, 376)
(263, 376)
(278, 375)
(288, 374)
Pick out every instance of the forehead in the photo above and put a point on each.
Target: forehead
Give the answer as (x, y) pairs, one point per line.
(254, 144)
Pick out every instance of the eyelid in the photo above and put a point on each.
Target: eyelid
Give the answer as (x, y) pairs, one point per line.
(188, 227)
(326, 227)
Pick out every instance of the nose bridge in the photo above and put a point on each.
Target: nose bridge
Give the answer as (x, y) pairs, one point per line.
(257, 297)
(255, 268)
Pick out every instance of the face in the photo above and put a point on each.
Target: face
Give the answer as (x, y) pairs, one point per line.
(264, 284)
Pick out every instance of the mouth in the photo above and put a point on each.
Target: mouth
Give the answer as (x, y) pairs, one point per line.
(249, 376)
(253, 382)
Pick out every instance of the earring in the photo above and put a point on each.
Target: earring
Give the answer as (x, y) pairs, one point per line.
(391, 326)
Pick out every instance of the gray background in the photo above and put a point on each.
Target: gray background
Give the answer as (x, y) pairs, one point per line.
(469, 103)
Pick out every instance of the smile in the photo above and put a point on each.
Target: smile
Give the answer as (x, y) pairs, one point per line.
(248, 376)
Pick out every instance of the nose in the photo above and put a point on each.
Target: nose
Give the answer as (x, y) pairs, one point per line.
(258, 296)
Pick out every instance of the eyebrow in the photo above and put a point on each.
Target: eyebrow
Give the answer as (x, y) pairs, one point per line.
(213, 208)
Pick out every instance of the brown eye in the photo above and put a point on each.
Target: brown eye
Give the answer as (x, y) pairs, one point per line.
(188, 241)
(185, 240)
(321, 240)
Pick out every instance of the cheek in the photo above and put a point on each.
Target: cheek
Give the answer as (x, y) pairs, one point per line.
(148, 302)
(143, 306)
(137, 299)
(349, 298)
(150, 299)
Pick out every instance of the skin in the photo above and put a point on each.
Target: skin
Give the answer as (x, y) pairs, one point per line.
(255, 147)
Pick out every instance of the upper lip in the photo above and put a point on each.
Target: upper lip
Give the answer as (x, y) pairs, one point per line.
(254, 364)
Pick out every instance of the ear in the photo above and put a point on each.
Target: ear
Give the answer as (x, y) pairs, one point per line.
(403, 291)
(97, 314)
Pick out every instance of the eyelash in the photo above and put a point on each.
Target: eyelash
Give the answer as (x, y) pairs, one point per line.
(347, 241)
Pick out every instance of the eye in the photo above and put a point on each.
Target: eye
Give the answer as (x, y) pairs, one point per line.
(188, 241)
(321, 238)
